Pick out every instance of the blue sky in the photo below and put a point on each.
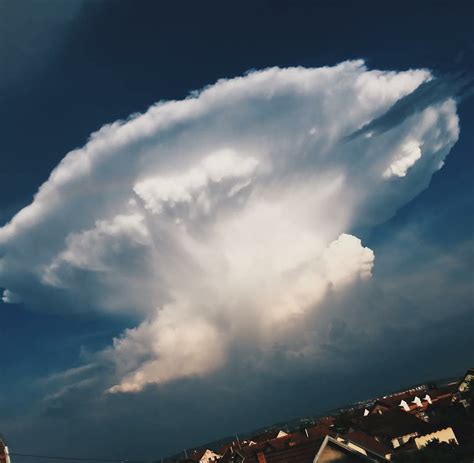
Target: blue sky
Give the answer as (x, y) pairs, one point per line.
(75, 66)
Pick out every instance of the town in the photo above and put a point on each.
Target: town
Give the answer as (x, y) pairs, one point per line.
(427, 423)
(432, 422)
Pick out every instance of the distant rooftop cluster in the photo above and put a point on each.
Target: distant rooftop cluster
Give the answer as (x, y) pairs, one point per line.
(407, 426)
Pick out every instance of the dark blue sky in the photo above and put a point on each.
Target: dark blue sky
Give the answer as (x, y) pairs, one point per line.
(75, 65)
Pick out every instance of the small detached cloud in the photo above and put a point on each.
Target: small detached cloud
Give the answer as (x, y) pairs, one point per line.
(410, 153)
(223, 221)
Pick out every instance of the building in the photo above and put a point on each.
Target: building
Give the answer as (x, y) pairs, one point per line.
(358, 438)
(414, 401)
(394, 427)
(205, 456)
(4, 454)
(442, 435)
(311, 445)
(336, 451)
(465, 389)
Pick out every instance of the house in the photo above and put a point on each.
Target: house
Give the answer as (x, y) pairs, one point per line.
(465, 385)
(295, 450)
(404, 399)
(442, 435)
(417, 443)
(4, 454)
(394, 427)
(414, 401)
(204, 456)
(308, 446)
(266, 436)
(309, 451)
(361, 439)
(297, 447)
(333, 450)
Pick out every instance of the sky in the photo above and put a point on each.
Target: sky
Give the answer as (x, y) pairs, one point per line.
(219, 215)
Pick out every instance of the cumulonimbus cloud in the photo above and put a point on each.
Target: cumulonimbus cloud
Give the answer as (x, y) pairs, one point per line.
(223, 218)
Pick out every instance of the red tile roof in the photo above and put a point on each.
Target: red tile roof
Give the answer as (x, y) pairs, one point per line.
(368, 442)
(298, 447)
(392, 424)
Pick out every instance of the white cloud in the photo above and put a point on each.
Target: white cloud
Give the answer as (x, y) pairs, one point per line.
(224, 219)
(9, 297)
(346, 259)
(223, 168)
(410, 153)
(179, 342)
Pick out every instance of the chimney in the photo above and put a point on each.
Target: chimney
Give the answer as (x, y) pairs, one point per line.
(261, 457)
(404, 405)
(417, 402)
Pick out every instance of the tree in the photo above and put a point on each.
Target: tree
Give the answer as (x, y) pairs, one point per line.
(342, 422)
